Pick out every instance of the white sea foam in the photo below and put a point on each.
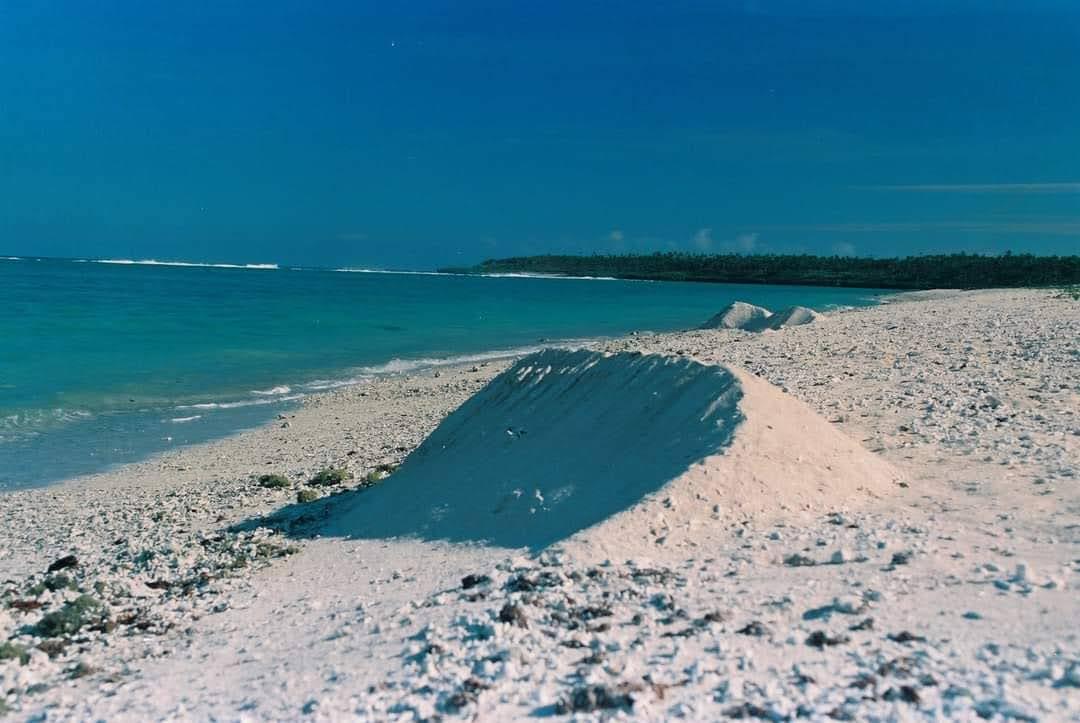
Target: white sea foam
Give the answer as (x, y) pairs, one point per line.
(240, 403)
(273, 391)
(506, 275)
(389, 271)
(10, 258)
(181, 420)
(405, 366)
(155, 262)
(525, 275)
(325, 385)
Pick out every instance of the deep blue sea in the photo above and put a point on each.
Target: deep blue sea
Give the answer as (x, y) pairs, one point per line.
(108, 363)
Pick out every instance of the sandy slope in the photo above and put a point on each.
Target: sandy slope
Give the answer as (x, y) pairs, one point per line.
(954, 595)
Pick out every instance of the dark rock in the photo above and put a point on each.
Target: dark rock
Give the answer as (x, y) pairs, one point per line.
(514, 614)
(863, 681)
(754, 628)
(901, 558)
(905, 693)
(52, 648)
(749, 710)
(586, 699)
(899, 667)
(63, 563)
(470, 581)
(798, 560)
(864, 624)
(820, 639)
(905, 637)
(25, 605)
(591, 612)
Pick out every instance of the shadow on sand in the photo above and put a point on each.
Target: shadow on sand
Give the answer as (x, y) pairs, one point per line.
(557, 443)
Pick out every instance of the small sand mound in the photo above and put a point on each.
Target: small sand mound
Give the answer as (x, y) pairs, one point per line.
(792, 316)
(738, 315)
(617, 450)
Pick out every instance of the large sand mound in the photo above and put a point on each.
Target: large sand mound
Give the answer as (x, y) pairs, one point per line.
(739, 315)
(792, 316)
(621, 448)
(747, 317)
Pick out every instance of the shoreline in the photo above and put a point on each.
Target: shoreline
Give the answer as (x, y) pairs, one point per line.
(868, 371)
(287, 395)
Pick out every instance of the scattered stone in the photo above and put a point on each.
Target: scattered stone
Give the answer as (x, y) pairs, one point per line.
(798, 560)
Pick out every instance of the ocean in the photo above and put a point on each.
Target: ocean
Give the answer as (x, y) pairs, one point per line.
(109, 362)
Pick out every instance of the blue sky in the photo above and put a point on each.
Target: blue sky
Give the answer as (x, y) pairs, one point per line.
(417, 134)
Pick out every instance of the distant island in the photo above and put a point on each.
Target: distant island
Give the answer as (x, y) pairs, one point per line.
(968, 271)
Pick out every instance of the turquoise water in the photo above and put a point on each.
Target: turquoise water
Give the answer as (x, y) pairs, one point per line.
(102, 363)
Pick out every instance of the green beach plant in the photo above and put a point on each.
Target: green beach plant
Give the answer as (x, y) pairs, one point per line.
(274, 481)
(305, 496)
(330, 476)
(378, 474)
(14, 651)
(71, 617)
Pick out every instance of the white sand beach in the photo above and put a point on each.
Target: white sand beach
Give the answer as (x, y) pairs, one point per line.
(870, 514)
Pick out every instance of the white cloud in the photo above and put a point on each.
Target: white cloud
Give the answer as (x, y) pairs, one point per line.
(1049, 228)
(616, 235)
(746, 242)
(702, 239)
